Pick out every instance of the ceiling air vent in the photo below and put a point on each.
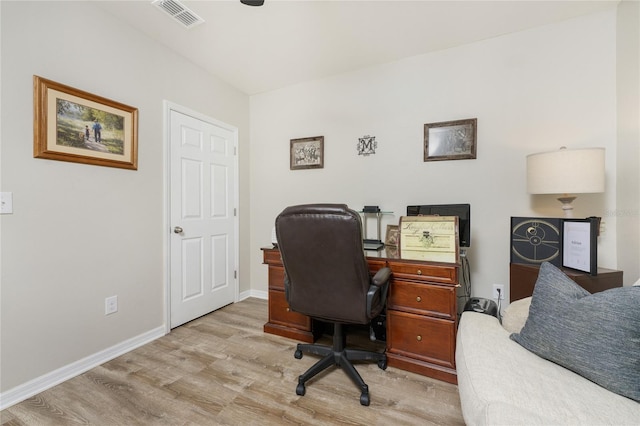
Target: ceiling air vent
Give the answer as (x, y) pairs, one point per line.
(179, 12)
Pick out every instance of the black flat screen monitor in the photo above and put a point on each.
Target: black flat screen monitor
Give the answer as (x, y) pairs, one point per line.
(463, 211)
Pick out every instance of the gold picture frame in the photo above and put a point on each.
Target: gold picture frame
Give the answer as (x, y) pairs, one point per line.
(450, 140)
(430, 238)
(306, 153)
(80, 127)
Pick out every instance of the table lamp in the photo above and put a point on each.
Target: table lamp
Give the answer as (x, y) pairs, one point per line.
(566, 172)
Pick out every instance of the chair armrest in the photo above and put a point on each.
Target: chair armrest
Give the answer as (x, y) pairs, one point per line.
(377, 294)
(381, 277)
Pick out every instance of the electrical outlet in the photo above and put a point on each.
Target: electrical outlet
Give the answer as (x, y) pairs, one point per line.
(499, 294)
(111, 305)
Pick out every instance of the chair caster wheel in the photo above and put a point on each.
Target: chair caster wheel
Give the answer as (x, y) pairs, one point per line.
(382, 364)
(300, 390)
(298, 354)
(364, 399)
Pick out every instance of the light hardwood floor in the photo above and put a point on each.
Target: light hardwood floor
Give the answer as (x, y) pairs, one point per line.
(222, 369)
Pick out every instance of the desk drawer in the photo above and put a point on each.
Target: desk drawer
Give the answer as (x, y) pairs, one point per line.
(424, 338)
(276, 278)
(272, 257)
(279, 312)
(423, 299)
(447, 274)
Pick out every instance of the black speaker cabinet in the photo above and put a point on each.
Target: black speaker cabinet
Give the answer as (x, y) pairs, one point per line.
(535, 240)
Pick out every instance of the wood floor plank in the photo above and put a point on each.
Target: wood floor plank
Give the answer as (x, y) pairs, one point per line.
(221, 369)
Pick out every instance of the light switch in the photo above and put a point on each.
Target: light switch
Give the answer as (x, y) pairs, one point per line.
(6, 202)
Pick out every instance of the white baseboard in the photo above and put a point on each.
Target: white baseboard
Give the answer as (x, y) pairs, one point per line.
(49, 380)
(253, 293)
(244, 295)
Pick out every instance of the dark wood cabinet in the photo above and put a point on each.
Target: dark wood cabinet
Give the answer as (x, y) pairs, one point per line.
(421, 314)
(522, 280)
(283, 321)
(422, 318)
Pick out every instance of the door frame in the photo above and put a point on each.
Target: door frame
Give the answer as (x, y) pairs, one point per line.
(167, 107)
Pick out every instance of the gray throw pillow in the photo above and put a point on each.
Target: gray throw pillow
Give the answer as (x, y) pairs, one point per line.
(595, 335)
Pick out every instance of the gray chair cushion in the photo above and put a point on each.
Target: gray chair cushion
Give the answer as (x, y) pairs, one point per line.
(595, 335)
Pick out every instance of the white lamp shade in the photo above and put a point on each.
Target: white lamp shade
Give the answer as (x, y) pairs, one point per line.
(566, 171)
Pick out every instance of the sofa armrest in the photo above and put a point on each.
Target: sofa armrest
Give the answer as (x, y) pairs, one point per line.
(515, 315)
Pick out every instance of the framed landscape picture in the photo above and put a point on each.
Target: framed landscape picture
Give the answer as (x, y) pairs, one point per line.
(450, 140)
(77, 126)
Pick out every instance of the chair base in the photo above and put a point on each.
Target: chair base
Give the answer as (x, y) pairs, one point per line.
(340, 357)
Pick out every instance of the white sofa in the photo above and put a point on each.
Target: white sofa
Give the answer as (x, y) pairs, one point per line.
(502, 383)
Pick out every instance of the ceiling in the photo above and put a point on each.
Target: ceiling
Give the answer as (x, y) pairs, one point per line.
(284, 42)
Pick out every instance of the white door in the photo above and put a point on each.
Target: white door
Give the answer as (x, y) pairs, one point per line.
(203, 223)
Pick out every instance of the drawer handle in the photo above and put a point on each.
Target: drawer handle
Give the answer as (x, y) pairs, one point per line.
(288, 310)
(418, 299)
(419, 338)
(419, 272)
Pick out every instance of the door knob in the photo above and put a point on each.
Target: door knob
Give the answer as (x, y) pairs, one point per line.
(177, 230)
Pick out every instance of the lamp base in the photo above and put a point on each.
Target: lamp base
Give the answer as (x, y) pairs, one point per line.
(566, 205)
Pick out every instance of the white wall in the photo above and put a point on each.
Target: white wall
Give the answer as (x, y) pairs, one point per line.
(628, 100)
(80, 233)
(531, 91)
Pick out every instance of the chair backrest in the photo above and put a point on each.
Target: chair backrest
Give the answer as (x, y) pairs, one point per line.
(325, 265)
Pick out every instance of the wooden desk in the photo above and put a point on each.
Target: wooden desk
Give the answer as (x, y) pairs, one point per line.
(522, 279)
(421, 313)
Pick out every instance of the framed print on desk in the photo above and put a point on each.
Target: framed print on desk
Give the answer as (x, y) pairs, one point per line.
(580, 244)
(430, 238)
(392, 237)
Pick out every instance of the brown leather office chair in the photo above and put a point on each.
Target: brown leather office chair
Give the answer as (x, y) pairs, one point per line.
(327, 277)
